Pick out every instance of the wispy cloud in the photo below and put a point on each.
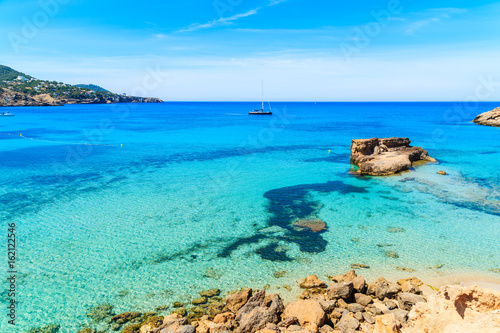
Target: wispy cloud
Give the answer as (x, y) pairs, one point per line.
(227, 20)
(433, 16)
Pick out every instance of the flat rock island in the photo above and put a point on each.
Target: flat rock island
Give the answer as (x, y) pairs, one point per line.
(383, 157)
(490, 118)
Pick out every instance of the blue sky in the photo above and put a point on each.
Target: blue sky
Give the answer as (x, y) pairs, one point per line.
(305, 50)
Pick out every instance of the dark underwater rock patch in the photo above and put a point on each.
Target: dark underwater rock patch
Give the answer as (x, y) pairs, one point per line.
(285, 206)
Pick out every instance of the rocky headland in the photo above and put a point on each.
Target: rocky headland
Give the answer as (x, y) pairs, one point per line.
(22, 99)
(490, 118)
(347, 303)
(383, 157)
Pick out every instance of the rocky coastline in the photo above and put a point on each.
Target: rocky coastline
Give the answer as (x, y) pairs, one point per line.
(347, 303)
(490, 118)
(387, 156)
(20, 99)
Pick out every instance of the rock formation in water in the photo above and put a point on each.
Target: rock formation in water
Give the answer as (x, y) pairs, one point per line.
(490, 118)
(382, 157)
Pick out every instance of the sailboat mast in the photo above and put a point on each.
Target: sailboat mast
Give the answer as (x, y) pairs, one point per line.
(262, 94)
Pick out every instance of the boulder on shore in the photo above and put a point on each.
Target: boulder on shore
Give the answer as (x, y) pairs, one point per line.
(490, 118)
(382, 157)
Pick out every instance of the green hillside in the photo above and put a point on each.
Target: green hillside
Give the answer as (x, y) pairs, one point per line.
(91, 87)
(8, 74)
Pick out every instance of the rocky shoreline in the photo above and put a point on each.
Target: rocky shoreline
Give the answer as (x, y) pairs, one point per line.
(20, 99)
(347, 303)
(490, 118)
(388, 156)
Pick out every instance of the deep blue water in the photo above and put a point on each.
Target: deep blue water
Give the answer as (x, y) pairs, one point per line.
(181, 197)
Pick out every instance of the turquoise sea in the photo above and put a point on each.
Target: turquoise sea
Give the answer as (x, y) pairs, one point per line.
(201, 195)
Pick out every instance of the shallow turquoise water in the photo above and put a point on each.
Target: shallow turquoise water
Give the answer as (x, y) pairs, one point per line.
(202, 195)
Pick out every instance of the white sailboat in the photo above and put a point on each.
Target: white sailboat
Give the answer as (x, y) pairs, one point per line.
(261, 110)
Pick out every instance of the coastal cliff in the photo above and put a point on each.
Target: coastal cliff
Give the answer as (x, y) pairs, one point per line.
(382, 157)
(24, 90)
(490, 118)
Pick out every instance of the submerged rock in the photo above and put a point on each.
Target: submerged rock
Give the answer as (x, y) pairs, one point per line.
(125, 317)
(210, 292)
(442, 173)
(279, 274)
(314, 225)
(100, 312)
(490, 118)
(391, 254)
(382, 157)
(51, 328)
(358, 266)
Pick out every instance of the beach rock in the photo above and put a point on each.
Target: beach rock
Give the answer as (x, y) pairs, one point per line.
(314, 225)
(342, 304)
(382, 157)
(408, 300)
(410, 287)
(209, 293)
(288, 322)
(390, 304)
(348, 322)
(340, 290)
(355, 307)
(413, 280)
(368, 318)
(359, 284)
(307, 311)
(326, 329)
(258, 311)
(222, 318)
(237, 300)
(374, 310)
(386, 324)
(401, 316)
(151, 323)
(328, 306)
(362, 299)
(349, 276)
(312, 281)
(490, 118)
(381, 288)
(457, 309)
(187, 329)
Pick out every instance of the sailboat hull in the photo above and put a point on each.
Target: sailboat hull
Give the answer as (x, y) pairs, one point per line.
(260, 112)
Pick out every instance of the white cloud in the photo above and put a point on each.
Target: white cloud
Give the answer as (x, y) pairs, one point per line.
(227, 20)
(435, 15)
